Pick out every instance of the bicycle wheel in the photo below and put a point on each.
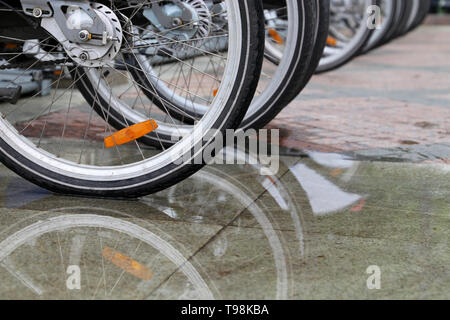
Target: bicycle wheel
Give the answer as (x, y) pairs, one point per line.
(425, 6)
(400, 17)
(388, 11)
(403, 23)
(348, 33)
(295, 67)
(72, 157)
(415, 11)
(290, 36)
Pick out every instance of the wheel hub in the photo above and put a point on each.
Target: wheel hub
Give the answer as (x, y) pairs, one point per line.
(90, 33)
(90, 55)
(182, 23)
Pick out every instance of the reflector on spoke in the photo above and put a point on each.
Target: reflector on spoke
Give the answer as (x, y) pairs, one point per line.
(332, 41)
(276, 36)
(131, 133)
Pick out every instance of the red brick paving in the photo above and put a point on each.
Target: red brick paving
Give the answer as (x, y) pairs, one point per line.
(52, 125)
(397, 95)
(438, 19)
(345, 124)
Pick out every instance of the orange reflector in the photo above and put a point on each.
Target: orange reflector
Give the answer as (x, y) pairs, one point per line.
(127, 264)
(131, 133)
(11, 46)
(215, 92)
(332, 41)
(276, 36)
(57, 72)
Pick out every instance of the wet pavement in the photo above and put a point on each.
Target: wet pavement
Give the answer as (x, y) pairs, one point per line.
(334, 210)
(394, 98)
(229, 233)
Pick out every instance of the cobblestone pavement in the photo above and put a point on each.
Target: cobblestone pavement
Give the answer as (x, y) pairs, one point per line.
(392, 99)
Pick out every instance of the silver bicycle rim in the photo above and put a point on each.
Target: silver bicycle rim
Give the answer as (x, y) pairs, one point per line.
(262, 96)
(336, 56)
(377, 36)
(71, 169)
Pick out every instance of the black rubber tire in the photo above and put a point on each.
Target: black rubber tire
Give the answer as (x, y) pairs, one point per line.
(424, 10)
(322, 35)
(231, 117)
(401, 5)
(296, 81)
(357, 50)
(370, 46)
(403, 24)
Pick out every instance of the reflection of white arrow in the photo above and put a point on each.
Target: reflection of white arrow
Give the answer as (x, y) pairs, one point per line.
(331, 160)
(335, 161)
(324, 196)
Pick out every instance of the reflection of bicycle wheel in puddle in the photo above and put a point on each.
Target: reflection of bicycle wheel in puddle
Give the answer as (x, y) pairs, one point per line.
(216, 193)
(123, 259)
(36, 258)
(92, 256)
